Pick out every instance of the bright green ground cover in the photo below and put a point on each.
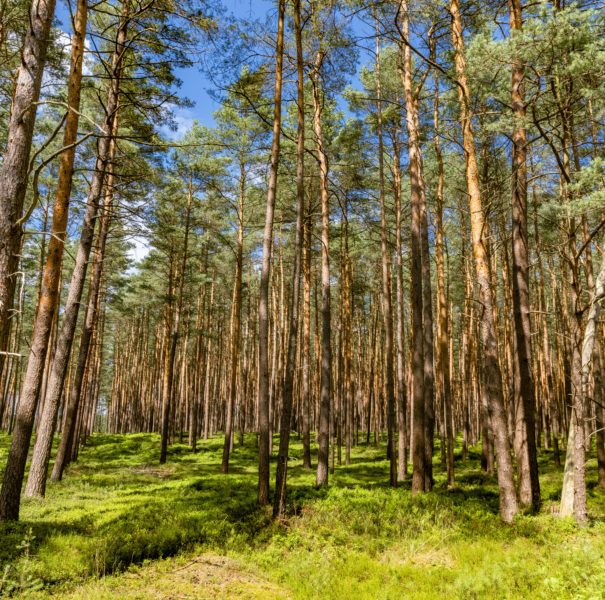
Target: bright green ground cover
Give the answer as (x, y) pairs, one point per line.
(98, 532)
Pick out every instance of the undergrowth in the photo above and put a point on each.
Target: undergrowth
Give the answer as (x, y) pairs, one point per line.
(117, 508)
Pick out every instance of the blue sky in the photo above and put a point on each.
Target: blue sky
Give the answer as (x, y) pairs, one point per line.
(195, 84)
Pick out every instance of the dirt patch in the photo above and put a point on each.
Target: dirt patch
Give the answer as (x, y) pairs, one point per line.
(153, 471)
(206, 577)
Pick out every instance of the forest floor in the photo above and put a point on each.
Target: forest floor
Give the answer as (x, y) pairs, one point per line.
(121, 526)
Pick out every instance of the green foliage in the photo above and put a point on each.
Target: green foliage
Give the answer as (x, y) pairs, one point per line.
(18, 577)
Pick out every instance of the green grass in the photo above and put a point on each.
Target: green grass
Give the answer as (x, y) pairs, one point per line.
(98, 533)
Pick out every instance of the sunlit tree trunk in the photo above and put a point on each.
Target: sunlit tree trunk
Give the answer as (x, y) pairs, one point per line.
(90, 319)
(236, 322)
(493, 381)
(443, 365)
(419, 442)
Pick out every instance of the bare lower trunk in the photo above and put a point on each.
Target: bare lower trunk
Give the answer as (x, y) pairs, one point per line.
(90, 320)
(60, 363)
(573, 495)
(387, 306)
(443, 363)
(236, 324)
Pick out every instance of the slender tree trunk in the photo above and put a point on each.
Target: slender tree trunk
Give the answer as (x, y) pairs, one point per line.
(105, 155)
(387, 306)
(525, 435)
(419, 474)
(236, 323)
(443, 364)
(306, 343)
(208, 374)
(279, 506)
(573, 496)
(174, 321)
(74, 400)
(326, 350)
(400, 335)
(263, 304)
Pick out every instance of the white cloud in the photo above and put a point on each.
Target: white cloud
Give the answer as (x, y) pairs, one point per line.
(139, 248)
(183, 119)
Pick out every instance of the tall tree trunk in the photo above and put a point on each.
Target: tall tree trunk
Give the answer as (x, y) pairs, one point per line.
(400, 333)
(419, 474)
(279, 505)
(174, 321)
(49, 296)
(525, 434)
(326, 350)
(74, 400)
(15, 162)
(236, 322)
(387, 306)
(493, 380)
(263, 303)
(443, 364)
(306, 342)
(573, 496)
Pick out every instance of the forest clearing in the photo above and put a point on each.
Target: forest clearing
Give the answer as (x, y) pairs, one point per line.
(302, 299)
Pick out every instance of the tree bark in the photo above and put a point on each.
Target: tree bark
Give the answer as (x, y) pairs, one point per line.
(74, 399)
(105, 149)
(387, 305)
(236, 322)
(443, 364)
